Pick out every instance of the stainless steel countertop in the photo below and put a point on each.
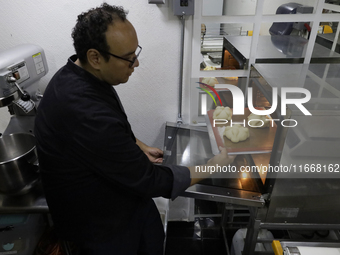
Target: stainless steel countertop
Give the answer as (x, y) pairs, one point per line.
(278, 48)
(31, 202)
(329, 37)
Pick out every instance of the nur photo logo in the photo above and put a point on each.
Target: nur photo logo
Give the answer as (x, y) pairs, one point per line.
(239, 103)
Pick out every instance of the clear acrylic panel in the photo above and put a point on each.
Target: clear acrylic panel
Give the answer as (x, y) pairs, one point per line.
(279, 7)
(215, 41)
(228, 7)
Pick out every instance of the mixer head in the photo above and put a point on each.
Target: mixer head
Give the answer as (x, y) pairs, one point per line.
(20, 68)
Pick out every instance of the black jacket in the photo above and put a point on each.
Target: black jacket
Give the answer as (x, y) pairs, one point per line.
(95, 177)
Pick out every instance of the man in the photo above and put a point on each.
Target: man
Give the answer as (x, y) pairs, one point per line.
(98, 178)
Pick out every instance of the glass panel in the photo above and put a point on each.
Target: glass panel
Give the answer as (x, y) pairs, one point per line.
(282, 7)
(211, 38)
(278, 45)
(302, 28)
(218, 42)
(281, 49)
(228, 7)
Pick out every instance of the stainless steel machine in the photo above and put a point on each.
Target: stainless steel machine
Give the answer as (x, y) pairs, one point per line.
(21, 67)
(302, 190)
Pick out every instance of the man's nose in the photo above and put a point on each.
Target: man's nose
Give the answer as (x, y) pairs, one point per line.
(136, 64)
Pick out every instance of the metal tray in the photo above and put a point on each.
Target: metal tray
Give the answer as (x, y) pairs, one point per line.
(215, 57)
(260, 140)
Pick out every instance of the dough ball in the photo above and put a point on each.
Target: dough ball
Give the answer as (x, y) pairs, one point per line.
(255, 121)
(236, 133)
(210, 81)
(222, 112)
(207, 68)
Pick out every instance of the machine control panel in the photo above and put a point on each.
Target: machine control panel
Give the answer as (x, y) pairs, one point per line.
(20, 67)
(19, 72)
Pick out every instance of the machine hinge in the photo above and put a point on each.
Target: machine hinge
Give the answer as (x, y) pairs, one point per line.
(266, 197)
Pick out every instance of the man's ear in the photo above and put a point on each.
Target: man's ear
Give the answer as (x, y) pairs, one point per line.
(94, 58)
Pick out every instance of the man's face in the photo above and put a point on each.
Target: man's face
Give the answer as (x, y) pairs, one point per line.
(123, 42)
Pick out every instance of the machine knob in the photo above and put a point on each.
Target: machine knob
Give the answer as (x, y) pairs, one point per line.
(24, 95)
(11, 79)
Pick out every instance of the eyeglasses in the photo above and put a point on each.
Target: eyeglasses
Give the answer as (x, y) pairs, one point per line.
(133, 61)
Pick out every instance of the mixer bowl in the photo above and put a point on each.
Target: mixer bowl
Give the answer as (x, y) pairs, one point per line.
(18, 163)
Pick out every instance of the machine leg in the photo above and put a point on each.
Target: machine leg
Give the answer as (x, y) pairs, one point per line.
(251, 237)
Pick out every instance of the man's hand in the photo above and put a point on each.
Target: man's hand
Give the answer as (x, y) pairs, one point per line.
(155, 155)
(222, 159)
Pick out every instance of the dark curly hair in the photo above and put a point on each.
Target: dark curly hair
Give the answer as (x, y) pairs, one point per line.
(89, 31)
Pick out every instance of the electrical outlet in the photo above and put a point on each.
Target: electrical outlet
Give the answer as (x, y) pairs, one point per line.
(184, 3)
(183, 7)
